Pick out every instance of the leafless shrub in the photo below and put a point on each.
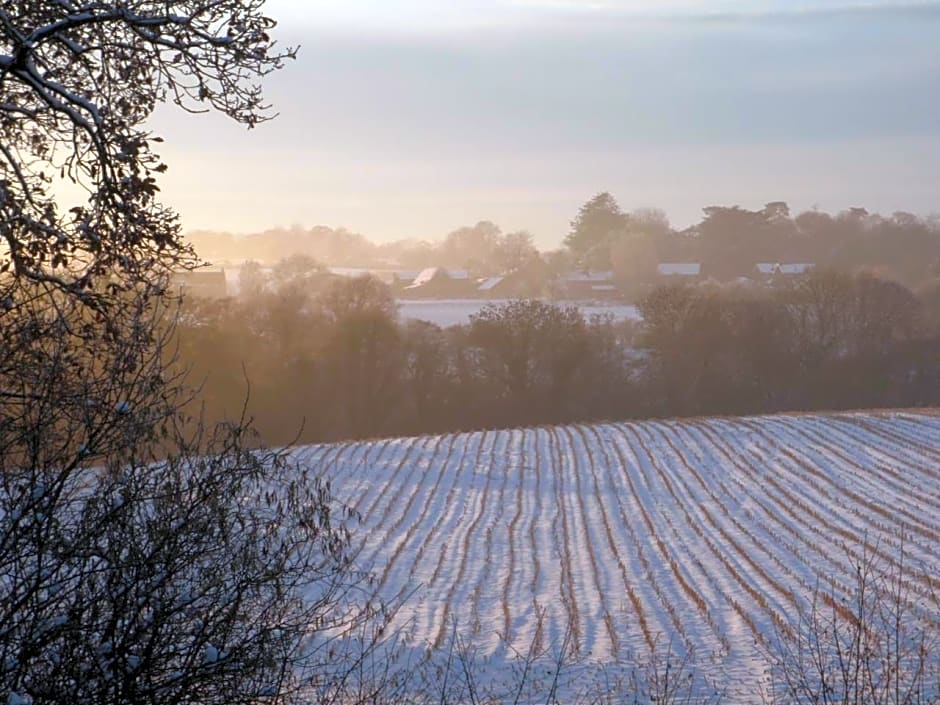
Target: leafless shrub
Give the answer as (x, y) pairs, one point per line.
(865, 648)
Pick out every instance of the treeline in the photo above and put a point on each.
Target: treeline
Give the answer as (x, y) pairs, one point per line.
(482, 248)
(727, 243)
(331, 351)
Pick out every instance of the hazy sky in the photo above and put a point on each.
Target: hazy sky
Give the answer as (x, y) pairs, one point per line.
(411, 118)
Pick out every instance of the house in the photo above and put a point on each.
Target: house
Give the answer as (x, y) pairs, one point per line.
(588, 284)
(490, 286)
(202, 283)
(440, 283)
(768, 270)
(403, 277)
(517, 284)
(683, 270)
(392, 277)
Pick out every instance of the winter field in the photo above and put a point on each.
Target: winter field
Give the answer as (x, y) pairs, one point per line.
(704, 534)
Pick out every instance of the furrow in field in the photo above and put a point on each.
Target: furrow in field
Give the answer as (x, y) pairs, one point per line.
(374, 486)
(735, 585)
(438, 514)
(670, 586)
(484, 603)
(563, 533)
(538, 572)
(784, 569)
(787, 439)
(873, 482)
(586, 529)
(811, 460)
(710, 534)
(775, 509)
(437, 471)
(919, 458)
(323, 457)
(814, 498)
(444, 530)
(796, 504)
(921, 430)
(888, 539)
(640, 572)
(403, 481)
(889, 459)
(339, 466)
(609, 489)
(521, 472)
(464, 541)
(736, 534)
(749, 574)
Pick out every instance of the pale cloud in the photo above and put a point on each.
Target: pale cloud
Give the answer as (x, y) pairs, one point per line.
(395, 15)
(403, 133)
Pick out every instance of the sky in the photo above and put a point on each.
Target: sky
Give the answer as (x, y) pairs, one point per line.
(411, 118)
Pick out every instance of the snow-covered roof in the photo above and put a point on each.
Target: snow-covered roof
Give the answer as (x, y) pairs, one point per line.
(681, 269)
(489, 283)
(351, 272)
(589, 276)
(425, 276)
(778, 268)
(797, 268)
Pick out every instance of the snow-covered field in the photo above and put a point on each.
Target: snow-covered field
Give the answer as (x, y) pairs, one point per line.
(452, 312)
(700, 533)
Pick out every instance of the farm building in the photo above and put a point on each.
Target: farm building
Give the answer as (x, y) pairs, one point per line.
(516, 284)
(591, 284)
(768, 270)
(440, 283)
(684, 270)
(204, 283)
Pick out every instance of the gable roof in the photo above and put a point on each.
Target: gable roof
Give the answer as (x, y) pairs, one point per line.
(489, 283)
(778, 268)
(426, 276)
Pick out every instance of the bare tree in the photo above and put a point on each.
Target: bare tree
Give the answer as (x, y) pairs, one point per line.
(77, 81)
(138, 562)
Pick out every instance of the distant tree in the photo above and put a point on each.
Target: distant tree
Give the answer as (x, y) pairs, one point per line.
(532, 350)
(473, 248)
(347, 296)
(929, 296)
(515, 251)
(299, 273)
(733, 240)
(557, 264)
(361, 356)
(428, 378)
(361, 364)
(252, 280)
(633, 258)
(651, 221)
(597, 222)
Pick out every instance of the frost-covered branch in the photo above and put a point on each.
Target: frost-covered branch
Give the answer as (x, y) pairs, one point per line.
(77, 82)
